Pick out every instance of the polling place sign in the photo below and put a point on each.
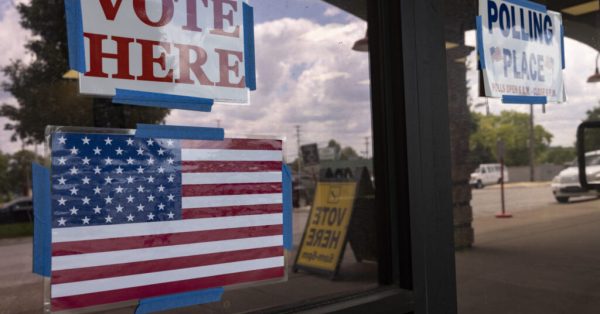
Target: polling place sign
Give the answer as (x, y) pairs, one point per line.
(521, 51)
(167, 53)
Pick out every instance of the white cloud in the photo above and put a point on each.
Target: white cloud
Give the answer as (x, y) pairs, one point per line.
(560, 119)
(332, 11)
(12, 41)
(308, 75)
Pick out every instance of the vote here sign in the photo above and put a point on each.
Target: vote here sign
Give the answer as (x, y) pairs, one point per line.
(324, 239)
(520, 46)
(193, 48)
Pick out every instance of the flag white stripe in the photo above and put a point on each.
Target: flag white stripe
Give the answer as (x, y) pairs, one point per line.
(231, 177)
(191, 154)
(162, 252)
(162, 227)
(231, 200)
(114, 283)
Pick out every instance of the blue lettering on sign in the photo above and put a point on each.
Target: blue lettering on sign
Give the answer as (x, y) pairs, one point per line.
(524, 67)
(532, 63)
(532, 24)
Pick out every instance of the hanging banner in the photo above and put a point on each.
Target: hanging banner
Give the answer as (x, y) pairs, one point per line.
(135, 216)
(145, 51)
(521, 51)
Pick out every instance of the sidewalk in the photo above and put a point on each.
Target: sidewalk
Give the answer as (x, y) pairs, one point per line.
(541, 261)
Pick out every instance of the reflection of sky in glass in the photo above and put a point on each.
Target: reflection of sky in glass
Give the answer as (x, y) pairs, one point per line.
(314, 10)
(4, 5)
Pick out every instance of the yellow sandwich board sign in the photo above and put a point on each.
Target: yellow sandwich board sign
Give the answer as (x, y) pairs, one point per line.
(326, 230)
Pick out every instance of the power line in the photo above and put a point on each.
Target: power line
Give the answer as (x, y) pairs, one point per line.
(367, 145)
(299, 152)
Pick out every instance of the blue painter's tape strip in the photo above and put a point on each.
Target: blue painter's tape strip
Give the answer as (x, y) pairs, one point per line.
(517, 99)
(75, 35)
(529, 4)
(179, 132)
(562, 45)
(137, 98)
(249, 47)
(287, 208)
(478, 22)
(174, 301)
(42, 217)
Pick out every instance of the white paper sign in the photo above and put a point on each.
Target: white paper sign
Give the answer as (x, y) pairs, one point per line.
(522, 47)
(189, 48)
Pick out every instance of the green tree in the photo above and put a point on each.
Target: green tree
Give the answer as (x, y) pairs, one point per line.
(333, 143)
(6, 188)
(44, 97)
(348, 153)
(558, 155)
(511, 127)
(19, 170)
(592, 136)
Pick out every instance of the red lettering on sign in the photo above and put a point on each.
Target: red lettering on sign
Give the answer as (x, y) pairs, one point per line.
(166, 16)
(192, 16)
(191, 58)
(110, 10)
(225, 68)
(148, 61)
(186, 65)
(97, 55)
(220, 17)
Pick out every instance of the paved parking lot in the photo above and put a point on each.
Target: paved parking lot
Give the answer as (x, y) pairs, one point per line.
(519, 197)
(545, 260)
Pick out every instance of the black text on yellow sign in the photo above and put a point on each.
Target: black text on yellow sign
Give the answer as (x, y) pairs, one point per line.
(327, 226)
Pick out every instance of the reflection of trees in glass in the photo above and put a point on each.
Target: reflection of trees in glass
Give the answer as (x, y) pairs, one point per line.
(15, 173)
(513, 128)
(346, 153)
(592, 136)
(44, 97)
(6, 186)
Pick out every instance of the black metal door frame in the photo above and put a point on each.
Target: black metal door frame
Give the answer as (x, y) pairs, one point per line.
(412, 150)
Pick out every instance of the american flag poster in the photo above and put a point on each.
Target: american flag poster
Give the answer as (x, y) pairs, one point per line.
(134, 218)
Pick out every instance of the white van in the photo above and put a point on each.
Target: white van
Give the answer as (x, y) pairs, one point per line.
(487, 174)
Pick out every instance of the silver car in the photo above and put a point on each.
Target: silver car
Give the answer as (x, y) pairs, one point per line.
(566, 184)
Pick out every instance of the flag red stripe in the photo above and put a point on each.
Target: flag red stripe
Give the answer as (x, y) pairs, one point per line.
(115, 270)
(128, 243)
(91, 299)
(229, 166)
(230, 189)
(234, 143)
(210, 212)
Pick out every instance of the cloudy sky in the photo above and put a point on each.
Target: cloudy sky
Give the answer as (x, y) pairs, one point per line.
(309, 76)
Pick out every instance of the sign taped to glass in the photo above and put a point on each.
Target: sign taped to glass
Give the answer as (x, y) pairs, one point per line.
(138, 217)
(520, 47)
(199, 49)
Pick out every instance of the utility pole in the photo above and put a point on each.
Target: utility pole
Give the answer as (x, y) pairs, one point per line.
(299, 151)
(218, 123)
(367, 144)
(531, 145)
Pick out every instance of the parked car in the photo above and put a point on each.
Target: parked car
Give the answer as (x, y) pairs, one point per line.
(17, 210)
(487, 174)
(566, 184)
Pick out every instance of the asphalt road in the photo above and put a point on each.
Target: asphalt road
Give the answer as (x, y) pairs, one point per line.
(518, 198)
